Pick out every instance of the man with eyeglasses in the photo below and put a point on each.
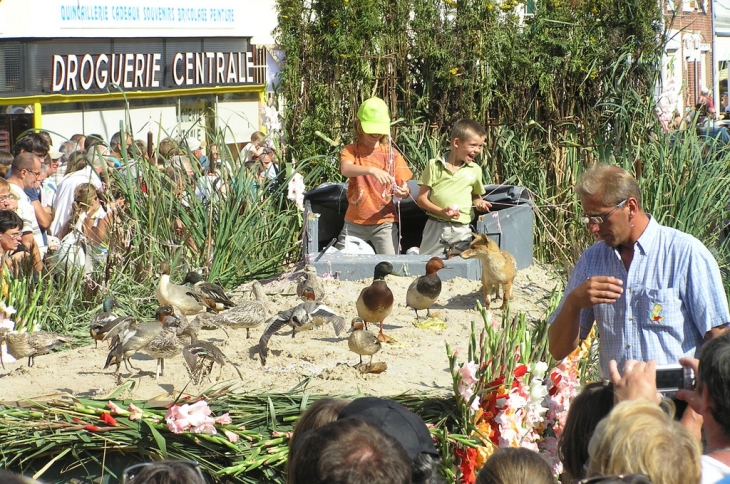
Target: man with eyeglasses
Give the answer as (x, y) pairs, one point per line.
(653, 291)
(25, 172)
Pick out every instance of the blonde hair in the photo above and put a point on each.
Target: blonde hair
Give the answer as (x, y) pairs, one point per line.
(511, 465)
(257, 136)
(611, 184)
(638, 437)
(4, 185)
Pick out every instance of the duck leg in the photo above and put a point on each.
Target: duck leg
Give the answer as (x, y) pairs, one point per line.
(160, 367)
(382, 337)
(416, 311)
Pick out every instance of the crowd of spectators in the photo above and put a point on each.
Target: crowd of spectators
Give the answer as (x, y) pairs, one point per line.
(67, 200)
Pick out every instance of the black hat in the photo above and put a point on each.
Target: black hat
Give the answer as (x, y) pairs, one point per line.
(395, 420)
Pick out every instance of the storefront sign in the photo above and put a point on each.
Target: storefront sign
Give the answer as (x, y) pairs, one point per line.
(75, 73)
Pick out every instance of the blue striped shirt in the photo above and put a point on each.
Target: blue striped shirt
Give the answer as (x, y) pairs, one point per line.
(673, 295)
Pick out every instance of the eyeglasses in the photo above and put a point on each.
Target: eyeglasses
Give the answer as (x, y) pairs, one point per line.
(36, 173)
(16, 236)
(617, 478)
(4, 198)
(132, 471)
(599, 219)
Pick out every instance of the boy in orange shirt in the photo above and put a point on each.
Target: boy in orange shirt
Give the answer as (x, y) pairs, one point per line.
(376, 173)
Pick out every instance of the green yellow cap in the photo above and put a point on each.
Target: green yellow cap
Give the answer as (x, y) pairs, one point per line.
(374, 117)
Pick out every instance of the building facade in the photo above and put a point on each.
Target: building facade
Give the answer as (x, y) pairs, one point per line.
(176, 68)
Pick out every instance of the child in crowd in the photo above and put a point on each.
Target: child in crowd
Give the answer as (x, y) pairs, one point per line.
(376, 172)
(515, 465)
(253, 150)
(450, 186)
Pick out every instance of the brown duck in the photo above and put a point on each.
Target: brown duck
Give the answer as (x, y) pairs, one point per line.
(425, 290)
(375, 302)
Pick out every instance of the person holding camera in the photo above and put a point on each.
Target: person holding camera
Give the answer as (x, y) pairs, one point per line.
(653, 291)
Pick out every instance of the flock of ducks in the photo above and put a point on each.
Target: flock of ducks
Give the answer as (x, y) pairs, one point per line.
(184, 310)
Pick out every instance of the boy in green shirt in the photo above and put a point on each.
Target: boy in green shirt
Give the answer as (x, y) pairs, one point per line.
(450, 187)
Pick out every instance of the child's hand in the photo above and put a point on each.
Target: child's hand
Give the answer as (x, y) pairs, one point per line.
(382, 176)
(401, 191)
(452, 211)
(482, 205)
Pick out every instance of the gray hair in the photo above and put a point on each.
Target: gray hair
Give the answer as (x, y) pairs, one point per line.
(612, 184)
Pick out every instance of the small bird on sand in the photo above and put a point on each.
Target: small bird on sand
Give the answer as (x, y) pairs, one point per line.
(208, 290)
(375, 302)
(130, 336)
(20, 345)
(311, 280)
(361, 341)
(103, 321)
(299, 318)
(425, 290)
(200, 358)
(179, 296)
(248, 314)
(169, 342)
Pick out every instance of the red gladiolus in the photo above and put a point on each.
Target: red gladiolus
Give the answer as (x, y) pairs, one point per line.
(92, 428)
(76, 419)
(107, 418)
(468, 464)
(520, 371)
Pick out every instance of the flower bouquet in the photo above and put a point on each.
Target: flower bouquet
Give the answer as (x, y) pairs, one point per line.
(510, 391)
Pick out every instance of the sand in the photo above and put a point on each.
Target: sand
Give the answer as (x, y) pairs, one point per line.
(416, 362)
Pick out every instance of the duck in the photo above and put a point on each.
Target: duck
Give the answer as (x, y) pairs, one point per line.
(361, 341)
(170, 341)
(299, 318)
(21, 345)
(248, 314)
(128, 337)
(200, 358)
(375, 302)
(179, 296)
(425, 290)
(311, 280)
(104, 320)
(208, 290)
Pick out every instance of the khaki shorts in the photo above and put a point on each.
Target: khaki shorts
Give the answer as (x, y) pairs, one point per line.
(439, 235)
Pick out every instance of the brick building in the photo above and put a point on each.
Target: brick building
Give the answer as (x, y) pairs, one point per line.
(687, 66)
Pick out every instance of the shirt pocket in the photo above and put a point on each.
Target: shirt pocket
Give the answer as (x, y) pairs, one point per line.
(659, 309)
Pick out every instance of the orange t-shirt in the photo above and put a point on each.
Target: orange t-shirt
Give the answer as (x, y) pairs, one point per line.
(370, 203)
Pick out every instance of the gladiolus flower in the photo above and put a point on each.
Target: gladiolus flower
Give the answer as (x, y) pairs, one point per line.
(224, 419)
(520, 371)
(231, 436)
(296, 190)
(468, 372)
(114, 409)
(92, 428)
(136, 412)
(107, 418)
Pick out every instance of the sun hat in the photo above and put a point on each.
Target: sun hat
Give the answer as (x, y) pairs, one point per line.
(704, 90)
(374, 117)
(54, 153)
(395, 420)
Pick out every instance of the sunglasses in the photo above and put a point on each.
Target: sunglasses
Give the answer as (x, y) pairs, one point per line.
(131, 472)
(617, 479)
(599, 219)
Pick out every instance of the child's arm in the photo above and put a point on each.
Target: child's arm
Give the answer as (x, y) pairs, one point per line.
(351, 170)
(426, 204)
(479, 203)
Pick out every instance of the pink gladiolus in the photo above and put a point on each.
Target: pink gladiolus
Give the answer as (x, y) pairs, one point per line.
(224, 419)
(468, 372)
(136, 412)
(114, 409)
(205, 428)
(231, 436)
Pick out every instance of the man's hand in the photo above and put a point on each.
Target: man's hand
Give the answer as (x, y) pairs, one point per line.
(638, 381)
(597, 290)
(692, 397)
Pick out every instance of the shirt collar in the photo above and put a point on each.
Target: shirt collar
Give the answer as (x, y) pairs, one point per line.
(647, 238)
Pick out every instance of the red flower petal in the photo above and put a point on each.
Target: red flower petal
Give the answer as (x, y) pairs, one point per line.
(92, 428)
(520, 370)
(107, 418)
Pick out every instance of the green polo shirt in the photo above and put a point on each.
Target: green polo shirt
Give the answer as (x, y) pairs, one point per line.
(453, 188)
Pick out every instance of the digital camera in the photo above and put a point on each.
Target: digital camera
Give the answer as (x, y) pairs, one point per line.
(671, 378)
